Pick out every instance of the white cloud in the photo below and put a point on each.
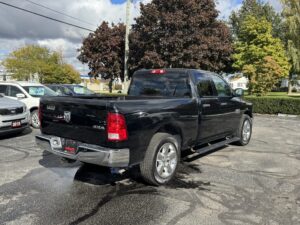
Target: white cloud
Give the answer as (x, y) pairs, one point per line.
(18, 28)
(276, 4)
(226, 7)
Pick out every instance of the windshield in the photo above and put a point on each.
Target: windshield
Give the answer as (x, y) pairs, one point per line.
(169, 84)
(80, 90)
(39, 91)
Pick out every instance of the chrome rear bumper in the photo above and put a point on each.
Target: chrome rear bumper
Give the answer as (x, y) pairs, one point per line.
(87, 153)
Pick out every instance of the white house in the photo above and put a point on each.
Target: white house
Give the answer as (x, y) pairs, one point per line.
(237, 81)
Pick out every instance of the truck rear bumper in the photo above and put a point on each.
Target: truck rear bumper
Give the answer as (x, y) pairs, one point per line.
(92, 154)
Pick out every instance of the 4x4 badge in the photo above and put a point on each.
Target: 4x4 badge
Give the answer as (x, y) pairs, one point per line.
(67, 116)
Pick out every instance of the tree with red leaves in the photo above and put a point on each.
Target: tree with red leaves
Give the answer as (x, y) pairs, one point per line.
(103, 51)
(180, 34)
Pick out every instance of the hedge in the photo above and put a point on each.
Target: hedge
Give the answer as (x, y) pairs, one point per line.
(275, 105)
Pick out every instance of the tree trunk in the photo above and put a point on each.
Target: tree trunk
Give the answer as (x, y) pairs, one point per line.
(290, 87)
(110, 85)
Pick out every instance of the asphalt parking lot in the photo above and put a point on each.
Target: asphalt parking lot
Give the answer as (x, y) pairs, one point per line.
(256, 184)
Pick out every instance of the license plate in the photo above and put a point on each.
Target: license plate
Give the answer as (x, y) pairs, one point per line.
(16, 124)
(70, 146)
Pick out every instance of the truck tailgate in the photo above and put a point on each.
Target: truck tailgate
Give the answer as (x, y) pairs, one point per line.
(78, 119)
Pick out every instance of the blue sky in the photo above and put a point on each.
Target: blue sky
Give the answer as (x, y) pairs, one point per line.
(118, 1)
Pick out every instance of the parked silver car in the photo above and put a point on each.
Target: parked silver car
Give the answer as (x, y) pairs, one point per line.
(14, 116)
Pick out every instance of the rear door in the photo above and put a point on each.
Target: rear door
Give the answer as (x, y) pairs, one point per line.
(208, 104)
(229, 108)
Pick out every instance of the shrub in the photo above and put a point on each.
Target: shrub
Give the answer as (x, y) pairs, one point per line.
(275, 105)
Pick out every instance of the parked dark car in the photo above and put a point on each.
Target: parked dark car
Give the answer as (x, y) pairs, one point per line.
(70, 89)
(166, 111)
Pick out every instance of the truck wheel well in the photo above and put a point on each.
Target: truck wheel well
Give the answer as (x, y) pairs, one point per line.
(249, 113)
(33, 108)
(170, 129)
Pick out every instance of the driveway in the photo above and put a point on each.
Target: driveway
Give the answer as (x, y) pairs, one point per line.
(256, 184)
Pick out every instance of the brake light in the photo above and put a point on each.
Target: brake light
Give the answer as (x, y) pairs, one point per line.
(158, 72)
(116, 127)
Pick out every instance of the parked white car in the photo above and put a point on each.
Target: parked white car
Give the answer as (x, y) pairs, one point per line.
(14, 116)
(28, 93)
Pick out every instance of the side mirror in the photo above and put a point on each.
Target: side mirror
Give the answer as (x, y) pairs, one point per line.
(239, 92)
(20, 96)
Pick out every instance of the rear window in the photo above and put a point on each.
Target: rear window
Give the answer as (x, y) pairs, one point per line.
(80, 90)
(168, 84)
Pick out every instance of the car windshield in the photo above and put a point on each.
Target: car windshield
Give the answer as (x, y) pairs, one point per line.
(80, 90)
(169, 84)
(39, 91)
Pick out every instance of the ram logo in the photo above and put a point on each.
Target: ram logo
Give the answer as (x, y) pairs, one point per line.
(67, 116)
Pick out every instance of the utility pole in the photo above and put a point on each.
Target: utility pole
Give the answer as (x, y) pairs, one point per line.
(128, 13)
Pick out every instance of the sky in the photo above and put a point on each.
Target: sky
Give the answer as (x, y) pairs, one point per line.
(18, 28)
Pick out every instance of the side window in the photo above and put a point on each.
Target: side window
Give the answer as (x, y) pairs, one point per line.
(14, 91)
(204, 85)
(222, 87)
(181, 89)
(66, 91)
(4, 89)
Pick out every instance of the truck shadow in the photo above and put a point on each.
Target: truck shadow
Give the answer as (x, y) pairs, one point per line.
(15, 135)
(99, 176)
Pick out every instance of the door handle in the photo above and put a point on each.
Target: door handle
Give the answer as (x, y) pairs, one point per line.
(206, 105)
(224, 103)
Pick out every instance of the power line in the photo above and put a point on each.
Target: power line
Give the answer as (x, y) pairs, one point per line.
(56, 11)
(47, 17)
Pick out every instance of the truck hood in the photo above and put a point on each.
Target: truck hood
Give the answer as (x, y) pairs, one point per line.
(9, 103)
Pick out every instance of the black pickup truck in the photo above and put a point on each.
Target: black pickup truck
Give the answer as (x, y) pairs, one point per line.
(165, 112)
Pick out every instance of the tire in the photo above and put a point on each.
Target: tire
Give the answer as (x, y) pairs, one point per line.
(34, 119)
(161, 159)
(244, 131)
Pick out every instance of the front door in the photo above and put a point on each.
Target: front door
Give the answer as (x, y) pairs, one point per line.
(209, 117)
(229, 107)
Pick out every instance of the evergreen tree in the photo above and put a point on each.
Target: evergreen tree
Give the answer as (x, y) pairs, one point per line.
(258, 9)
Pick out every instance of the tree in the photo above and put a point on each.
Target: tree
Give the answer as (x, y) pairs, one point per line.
(256, 51)
(291, 13)
(258, 9)
(180, 33)
(64, 74)
(103, 51)
(264, 75)
(30, 60)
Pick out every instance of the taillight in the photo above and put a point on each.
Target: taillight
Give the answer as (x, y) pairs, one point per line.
(116, 127)
(158, 71)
